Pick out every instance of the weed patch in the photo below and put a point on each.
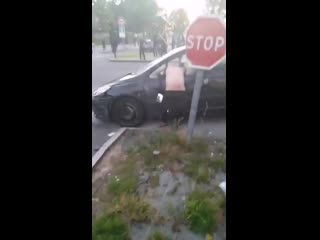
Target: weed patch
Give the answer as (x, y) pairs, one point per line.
(158, 236)
(110, 227)
(201, 213)
(133, 209)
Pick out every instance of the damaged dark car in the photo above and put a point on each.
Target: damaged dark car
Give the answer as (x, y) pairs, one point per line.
(132, 99)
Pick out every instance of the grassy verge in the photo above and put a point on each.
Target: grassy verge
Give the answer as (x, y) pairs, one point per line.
(166, 151)
(202, 211)
(134, 56)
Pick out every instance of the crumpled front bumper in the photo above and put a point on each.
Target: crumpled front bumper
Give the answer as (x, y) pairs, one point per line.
(101, 107)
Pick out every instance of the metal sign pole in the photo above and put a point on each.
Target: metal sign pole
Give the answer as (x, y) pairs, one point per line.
(194, 103)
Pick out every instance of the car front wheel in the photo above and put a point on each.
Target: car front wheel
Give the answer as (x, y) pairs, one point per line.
(128, 112)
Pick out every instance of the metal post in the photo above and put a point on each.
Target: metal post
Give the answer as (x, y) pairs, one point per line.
(194, 103)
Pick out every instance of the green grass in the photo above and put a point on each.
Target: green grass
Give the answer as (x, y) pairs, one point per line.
(126, 180)
(110, 227)
(127, 184)
(154, 181)
(134, 56)
(170, 145)
(219, 163)
(133, 209)
(201, 212)
(157, 235)
(197, 167)
(198, 146)
(174, 148)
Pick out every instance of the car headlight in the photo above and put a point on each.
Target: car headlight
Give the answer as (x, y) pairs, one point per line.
(101, 90)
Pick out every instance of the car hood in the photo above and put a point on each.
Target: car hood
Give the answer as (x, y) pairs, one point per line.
(119, 81)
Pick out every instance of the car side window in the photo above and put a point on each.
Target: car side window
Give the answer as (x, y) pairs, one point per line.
(216, 77)
(157, 72)
(189, 73)
(162, 69)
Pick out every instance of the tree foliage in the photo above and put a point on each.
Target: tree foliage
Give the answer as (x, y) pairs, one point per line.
(179, 20)
(217, 7)
(138, 14)
(101, 16)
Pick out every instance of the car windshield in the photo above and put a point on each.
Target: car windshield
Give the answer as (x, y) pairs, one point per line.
(158, 60)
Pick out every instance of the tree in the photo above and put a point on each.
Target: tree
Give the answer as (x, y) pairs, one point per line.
(217, 7)
(179, 20)
(139, 14)
(157, 26)
(101, 16)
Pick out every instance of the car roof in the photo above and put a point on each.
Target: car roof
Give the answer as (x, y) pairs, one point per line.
(174, 52)
(168, 55)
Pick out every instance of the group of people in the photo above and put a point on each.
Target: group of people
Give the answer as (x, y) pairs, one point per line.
(114, 42)
(177, 41)
(159, 46)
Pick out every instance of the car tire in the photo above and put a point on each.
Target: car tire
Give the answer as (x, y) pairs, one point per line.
(128, 112)
(101, 118)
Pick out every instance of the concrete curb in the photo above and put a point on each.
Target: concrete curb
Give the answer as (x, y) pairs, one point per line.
(105, 147)
(108, 50)
(118, 60)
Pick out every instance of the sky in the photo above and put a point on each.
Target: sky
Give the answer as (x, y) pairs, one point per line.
(194, 8)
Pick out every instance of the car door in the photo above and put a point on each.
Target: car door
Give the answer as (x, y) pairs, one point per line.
(213, 94)
(155, 83)
(190, 75)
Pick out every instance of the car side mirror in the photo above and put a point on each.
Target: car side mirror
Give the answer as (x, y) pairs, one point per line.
(159, 98)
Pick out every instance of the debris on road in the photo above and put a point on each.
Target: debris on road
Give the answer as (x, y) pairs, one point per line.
(156, 152)
(111, 134)
(222, 185)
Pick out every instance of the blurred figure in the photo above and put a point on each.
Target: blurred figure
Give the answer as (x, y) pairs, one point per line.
(175, 101)
(155, 47)
(135, 40)
(163, 45)
(103, 44)
(182, 40)
(141, 48)
(114, 43)
(173, 43)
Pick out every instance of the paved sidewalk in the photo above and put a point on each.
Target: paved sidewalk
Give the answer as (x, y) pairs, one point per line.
(121, 48)
(132, 56)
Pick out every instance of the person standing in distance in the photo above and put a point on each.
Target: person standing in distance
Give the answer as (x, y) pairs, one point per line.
(103, 44)
(141, 48)
(155, 42)
(114, 42)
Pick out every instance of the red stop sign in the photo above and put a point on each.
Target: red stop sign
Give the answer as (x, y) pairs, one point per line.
(206, 42)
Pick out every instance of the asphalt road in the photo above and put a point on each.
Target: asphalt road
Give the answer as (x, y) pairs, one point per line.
(104, 71)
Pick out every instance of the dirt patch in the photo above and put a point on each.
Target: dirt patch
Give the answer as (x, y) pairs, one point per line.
(152, 180)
